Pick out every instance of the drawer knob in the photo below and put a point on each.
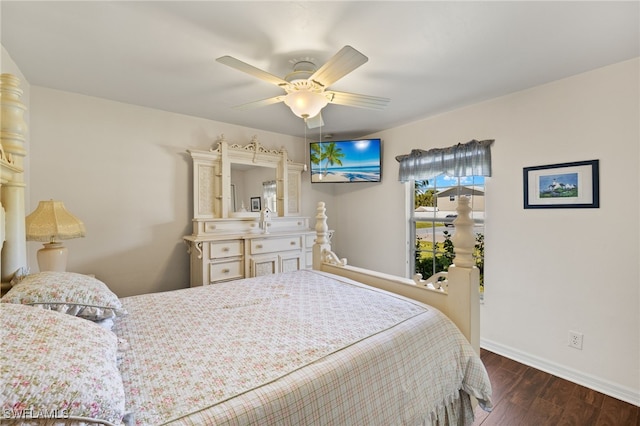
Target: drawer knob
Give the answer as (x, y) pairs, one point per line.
(225, 271)
(225, 248)
(293, 243)
(259, 246)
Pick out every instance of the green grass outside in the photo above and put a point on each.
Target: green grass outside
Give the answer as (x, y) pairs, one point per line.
(421, 225)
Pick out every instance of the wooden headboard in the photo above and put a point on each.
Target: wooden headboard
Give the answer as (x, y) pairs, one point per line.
(13, 133)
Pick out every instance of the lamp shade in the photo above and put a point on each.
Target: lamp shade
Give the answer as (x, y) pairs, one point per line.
(305, 103)
(51, 221)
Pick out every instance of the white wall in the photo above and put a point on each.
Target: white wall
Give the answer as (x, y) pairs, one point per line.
(547, 271)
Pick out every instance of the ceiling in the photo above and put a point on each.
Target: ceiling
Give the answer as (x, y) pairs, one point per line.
(427, 57)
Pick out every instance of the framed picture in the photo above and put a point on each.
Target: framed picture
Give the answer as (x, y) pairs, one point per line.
(256, 204)
(565, 185)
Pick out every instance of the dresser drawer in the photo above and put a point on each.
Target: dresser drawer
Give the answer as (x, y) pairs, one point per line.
(269, 245)
(222, 271)
(227, 248)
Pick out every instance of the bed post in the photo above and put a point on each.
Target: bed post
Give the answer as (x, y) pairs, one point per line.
(322, 236)
(13, 131)
(464, 277)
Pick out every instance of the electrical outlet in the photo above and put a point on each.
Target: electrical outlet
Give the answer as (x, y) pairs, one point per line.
(575, 339)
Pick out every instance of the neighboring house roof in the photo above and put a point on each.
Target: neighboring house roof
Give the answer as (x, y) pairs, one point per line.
(462, 190)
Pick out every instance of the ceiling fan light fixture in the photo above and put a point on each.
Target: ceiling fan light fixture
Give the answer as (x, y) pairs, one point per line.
(305, 103)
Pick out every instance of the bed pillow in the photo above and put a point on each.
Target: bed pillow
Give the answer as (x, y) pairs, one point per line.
(67, 292)
(58, 365)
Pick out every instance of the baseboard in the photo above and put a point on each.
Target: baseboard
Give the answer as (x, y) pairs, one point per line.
(614, 390)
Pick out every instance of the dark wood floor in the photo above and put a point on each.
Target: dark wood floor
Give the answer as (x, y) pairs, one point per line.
(525, 396)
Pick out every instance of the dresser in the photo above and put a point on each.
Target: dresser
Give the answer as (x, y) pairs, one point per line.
(224, 257)
(230, 243)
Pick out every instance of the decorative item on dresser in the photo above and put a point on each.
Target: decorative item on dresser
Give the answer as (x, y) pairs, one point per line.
(49, 222)
(255, 204)
(229, 245)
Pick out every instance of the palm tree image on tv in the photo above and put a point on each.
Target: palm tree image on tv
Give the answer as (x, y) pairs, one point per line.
(345, 161)
(330, 155)
(316, 152)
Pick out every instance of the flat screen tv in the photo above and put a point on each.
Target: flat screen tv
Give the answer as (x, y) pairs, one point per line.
(356, 160)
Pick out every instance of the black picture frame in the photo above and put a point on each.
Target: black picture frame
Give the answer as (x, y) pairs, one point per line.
(256, 204)
(573, 185)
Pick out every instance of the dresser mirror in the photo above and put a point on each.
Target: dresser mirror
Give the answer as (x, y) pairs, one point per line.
(248, 181)
(228, 176)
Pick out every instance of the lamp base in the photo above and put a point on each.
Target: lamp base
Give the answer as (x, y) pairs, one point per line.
(53, 257)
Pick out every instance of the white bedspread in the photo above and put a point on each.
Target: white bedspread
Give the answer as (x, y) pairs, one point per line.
(295, 348)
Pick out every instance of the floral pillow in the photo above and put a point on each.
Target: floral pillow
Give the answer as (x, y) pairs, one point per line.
(67, 292)
(58, 366)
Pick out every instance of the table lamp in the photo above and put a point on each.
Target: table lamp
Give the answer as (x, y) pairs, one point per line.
(50, 222)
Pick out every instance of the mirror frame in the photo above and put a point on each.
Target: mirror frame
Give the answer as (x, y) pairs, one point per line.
(212, 194)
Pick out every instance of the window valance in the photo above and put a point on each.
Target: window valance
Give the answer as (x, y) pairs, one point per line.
(464, 159)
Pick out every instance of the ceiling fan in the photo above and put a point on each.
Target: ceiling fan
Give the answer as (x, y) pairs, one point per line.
(306, 87)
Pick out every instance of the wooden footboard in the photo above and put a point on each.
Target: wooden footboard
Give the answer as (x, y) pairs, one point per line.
(457, 296)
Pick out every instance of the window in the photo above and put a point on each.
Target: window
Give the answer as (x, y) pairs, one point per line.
(432, 221)
(433, 205)
(269, 195)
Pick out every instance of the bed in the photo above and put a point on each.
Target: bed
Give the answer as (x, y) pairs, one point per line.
(334, 345)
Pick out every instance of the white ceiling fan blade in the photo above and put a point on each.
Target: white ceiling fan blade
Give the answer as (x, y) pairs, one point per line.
(341, 64)
(355, 100)
(315, 122)
(261, 103)
(251, 70)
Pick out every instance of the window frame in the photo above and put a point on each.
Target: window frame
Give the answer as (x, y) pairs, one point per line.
(413, 221)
